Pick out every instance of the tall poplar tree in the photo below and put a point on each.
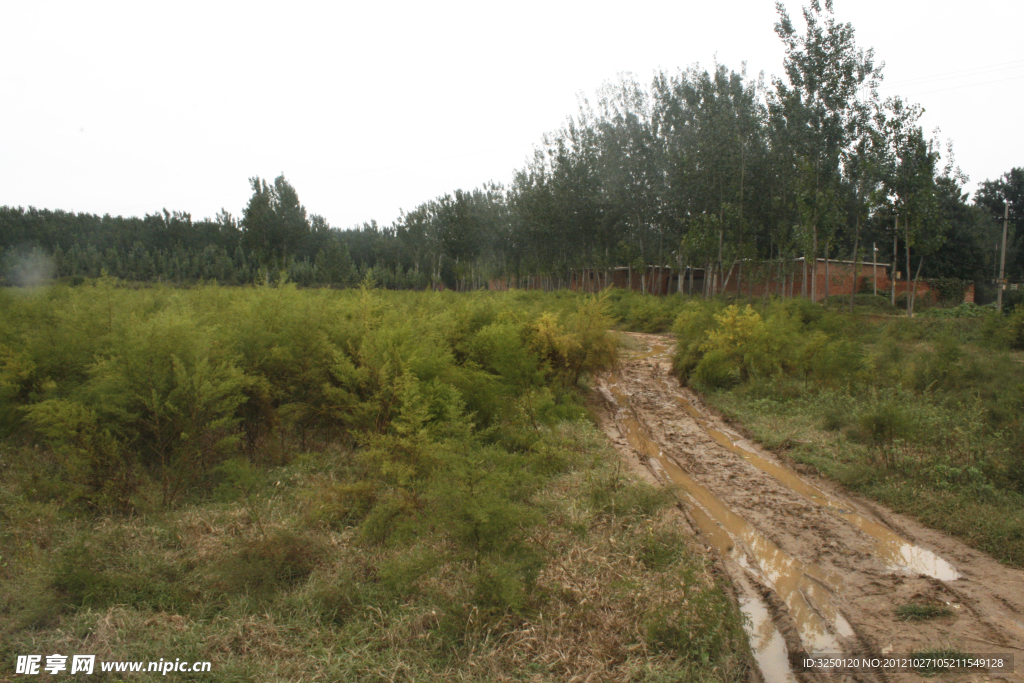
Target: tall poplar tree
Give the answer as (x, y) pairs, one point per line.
(819, 109)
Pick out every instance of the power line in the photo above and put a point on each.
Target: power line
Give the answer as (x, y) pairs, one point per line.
(951, 75)
(969, 85)
(974, 71)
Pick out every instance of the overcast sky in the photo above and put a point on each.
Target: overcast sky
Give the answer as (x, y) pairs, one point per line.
(128, 108)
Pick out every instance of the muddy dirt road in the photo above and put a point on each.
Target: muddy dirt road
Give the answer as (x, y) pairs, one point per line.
(816, 570)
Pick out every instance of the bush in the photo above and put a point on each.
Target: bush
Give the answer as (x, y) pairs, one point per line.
(1015, 328)
(93, 573)
(691, 328)
(717, 370)
(741, 345)
(645, 313)
(340, 504)
(967, 309)
(336, 597)
(887, 420)
(582, 345)
(95, 468)
(502, 584)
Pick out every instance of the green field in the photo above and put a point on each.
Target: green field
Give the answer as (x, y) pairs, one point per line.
(335, 485)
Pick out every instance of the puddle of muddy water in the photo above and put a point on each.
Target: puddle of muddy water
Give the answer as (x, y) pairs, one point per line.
(798, 584)
(654, 350)
(765, 640)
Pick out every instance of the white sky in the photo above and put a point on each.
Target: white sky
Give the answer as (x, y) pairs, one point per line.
(127, 108)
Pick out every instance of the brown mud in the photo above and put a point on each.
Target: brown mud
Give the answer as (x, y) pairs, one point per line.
(816, 570)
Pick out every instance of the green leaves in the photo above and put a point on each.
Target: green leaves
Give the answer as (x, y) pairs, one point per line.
(274, 222)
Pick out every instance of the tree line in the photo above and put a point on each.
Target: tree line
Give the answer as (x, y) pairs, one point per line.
(707, 170)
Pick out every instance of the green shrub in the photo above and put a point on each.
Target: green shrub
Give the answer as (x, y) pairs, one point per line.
(967, 309)
(480, 498)
(887, 420)
(878, 303)
(93, 572)
(336, 596)
(804, 310)
(389, 519)
(95, 468)
(691, 328)
(717, 370)
(949, 290)
(582, 345)
(400, 573)
(940, 368)
(1015, 328)
(651, 313)
(838, 363)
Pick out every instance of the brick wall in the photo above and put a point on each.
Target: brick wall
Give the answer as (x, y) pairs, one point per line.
(753, 279)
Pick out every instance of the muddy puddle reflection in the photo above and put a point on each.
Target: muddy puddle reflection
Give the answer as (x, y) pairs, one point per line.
(801, 586)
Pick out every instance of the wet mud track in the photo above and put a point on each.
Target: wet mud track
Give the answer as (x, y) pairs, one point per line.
(816, 570)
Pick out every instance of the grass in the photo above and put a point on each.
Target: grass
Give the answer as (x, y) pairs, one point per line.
(284, 593)
(914, 611)
(985, 517)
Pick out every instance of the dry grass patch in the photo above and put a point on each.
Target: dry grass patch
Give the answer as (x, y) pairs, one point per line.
(606, 589)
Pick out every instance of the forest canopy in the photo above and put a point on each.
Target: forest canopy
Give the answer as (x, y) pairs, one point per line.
(700, 168)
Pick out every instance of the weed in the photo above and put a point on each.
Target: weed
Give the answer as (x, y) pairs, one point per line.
(616, 496)
(661, 547)
(264, 565)
(915, 611)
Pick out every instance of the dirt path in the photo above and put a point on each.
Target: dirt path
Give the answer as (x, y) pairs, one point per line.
(816, 570)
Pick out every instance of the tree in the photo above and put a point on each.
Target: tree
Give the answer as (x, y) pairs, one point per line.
(991, 197)
(820, 113)
(334, 265)
(962, 254)
(258, 223)
(630, 167)
(908, 172)
(274, 223)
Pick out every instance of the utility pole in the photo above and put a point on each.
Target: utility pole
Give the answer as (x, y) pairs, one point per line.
(1001, 282)
(874, 266)
(892, 284)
